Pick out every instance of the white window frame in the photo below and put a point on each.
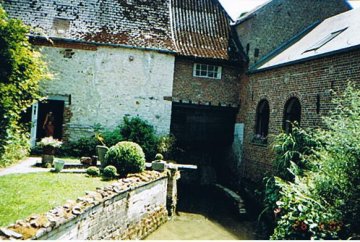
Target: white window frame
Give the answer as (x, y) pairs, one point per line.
(207, 71)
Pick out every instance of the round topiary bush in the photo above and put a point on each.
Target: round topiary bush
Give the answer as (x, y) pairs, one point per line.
(127, 157)
(110, 172)
(93, 171)
(159, 156)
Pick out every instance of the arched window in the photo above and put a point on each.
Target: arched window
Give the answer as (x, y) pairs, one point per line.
(262, 121)
(292, 113)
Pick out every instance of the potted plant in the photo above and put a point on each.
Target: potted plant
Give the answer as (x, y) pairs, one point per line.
(49, 146)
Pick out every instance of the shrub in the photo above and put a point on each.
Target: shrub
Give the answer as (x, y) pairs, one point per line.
(159, 156)
(167, 146)
(93, 171)
(324, 203)
(110, 172)
(127, 157)
(81, 147)
(142, 133)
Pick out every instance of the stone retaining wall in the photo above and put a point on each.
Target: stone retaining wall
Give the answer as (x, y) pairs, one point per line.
(130, 208)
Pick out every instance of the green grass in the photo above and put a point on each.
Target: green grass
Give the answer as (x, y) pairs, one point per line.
(22, 195)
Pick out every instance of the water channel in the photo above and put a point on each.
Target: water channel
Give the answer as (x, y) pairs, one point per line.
(204, 213)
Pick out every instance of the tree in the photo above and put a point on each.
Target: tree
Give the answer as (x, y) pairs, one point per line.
(21, 70)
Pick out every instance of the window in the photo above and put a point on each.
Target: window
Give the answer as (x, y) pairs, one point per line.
(207, 71)
(325, 40)
(60, 25)
(292, 113)
(262, 122)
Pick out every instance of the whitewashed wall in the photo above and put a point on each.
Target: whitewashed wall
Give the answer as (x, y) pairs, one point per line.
(109, 83)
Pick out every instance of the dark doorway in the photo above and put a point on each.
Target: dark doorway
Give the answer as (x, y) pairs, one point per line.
(203, 126)
(57, 108)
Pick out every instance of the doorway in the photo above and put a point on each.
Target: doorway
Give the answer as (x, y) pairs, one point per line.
(57, 108)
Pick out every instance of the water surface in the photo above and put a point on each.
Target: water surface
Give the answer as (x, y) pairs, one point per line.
(205, 214)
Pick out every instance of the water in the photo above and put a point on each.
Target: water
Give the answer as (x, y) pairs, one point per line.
(205, 214)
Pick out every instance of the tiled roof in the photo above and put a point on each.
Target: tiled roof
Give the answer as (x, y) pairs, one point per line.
(139, 23)
(201, 28)
(340, 32)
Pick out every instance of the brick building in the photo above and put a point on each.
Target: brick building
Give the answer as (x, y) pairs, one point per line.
(207, 66)
(274, 23)
(294, 83)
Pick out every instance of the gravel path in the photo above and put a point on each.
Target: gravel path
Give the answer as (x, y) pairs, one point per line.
(25, 166)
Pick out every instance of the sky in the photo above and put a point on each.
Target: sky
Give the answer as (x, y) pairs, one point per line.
(236, 7)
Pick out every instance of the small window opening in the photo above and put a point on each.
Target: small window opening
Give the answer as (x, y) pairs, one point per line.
(318, 103)
(256, 52)
(262, 122)
(292, 113)
(207, 71)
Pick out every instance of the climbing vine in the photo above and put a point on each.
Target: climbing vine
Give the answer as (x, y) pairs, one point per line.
(21, 70)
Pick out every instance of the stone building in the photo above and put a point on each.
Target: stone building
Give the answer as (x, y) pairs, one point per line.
(110, 59)
(295, 83)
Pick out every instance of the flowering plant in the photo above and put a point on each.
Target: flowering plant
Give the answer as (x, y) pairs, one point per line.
(50, 141)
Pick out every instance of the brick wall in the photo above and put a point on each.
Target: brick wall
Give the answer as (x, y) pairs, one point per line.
(280, 20)
(108, 83)
(204, 90)
(304, 81)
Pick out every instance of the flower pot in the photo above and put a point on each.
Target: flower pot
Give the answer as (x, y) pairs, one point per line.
(47, 160)
(59, 165)
(101, 151)
(49, 150)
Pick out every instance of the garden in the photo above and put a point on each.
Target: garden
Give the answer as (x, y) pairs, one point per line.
(315, 193)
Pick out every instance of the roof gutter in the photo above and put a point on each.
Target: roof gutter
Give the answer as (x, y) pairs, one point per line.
(66, 40)
(299, 61)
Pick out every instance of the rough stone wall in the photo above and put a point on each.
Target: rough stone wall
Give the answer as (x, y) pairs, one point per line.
(280, 20)
(200, 90)
(130, 208)
(304, 81)
(108, 83)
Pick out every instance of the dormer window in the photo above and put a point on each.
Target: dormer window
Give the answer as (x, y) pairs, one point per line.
(61, 25)
(325, 40)
(207, 71)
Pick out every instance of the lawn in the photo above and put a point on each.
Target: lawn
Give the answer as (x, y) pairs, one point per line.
(22, 195)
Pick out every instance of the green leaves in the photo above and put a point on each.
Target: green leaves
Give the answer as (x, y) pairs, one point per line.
(21, 70)
(321, 201)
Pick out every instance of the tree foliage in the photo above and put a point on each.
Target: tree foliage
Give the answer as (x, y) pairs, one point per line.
(21, 70)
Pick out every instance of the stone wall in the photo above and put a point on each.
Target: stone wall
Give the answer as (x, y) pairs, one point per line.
(280, 20)
(304, 81)
(130, 208)
(200, 90)
(106, 84)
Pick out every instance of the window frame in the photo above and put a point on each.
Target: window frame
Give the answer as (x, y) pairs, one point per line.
(291, 104)
(204, 70)
(262, 121)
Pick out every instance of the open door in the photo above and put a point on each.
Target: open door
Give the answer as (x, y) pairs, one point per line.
(34, 119)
